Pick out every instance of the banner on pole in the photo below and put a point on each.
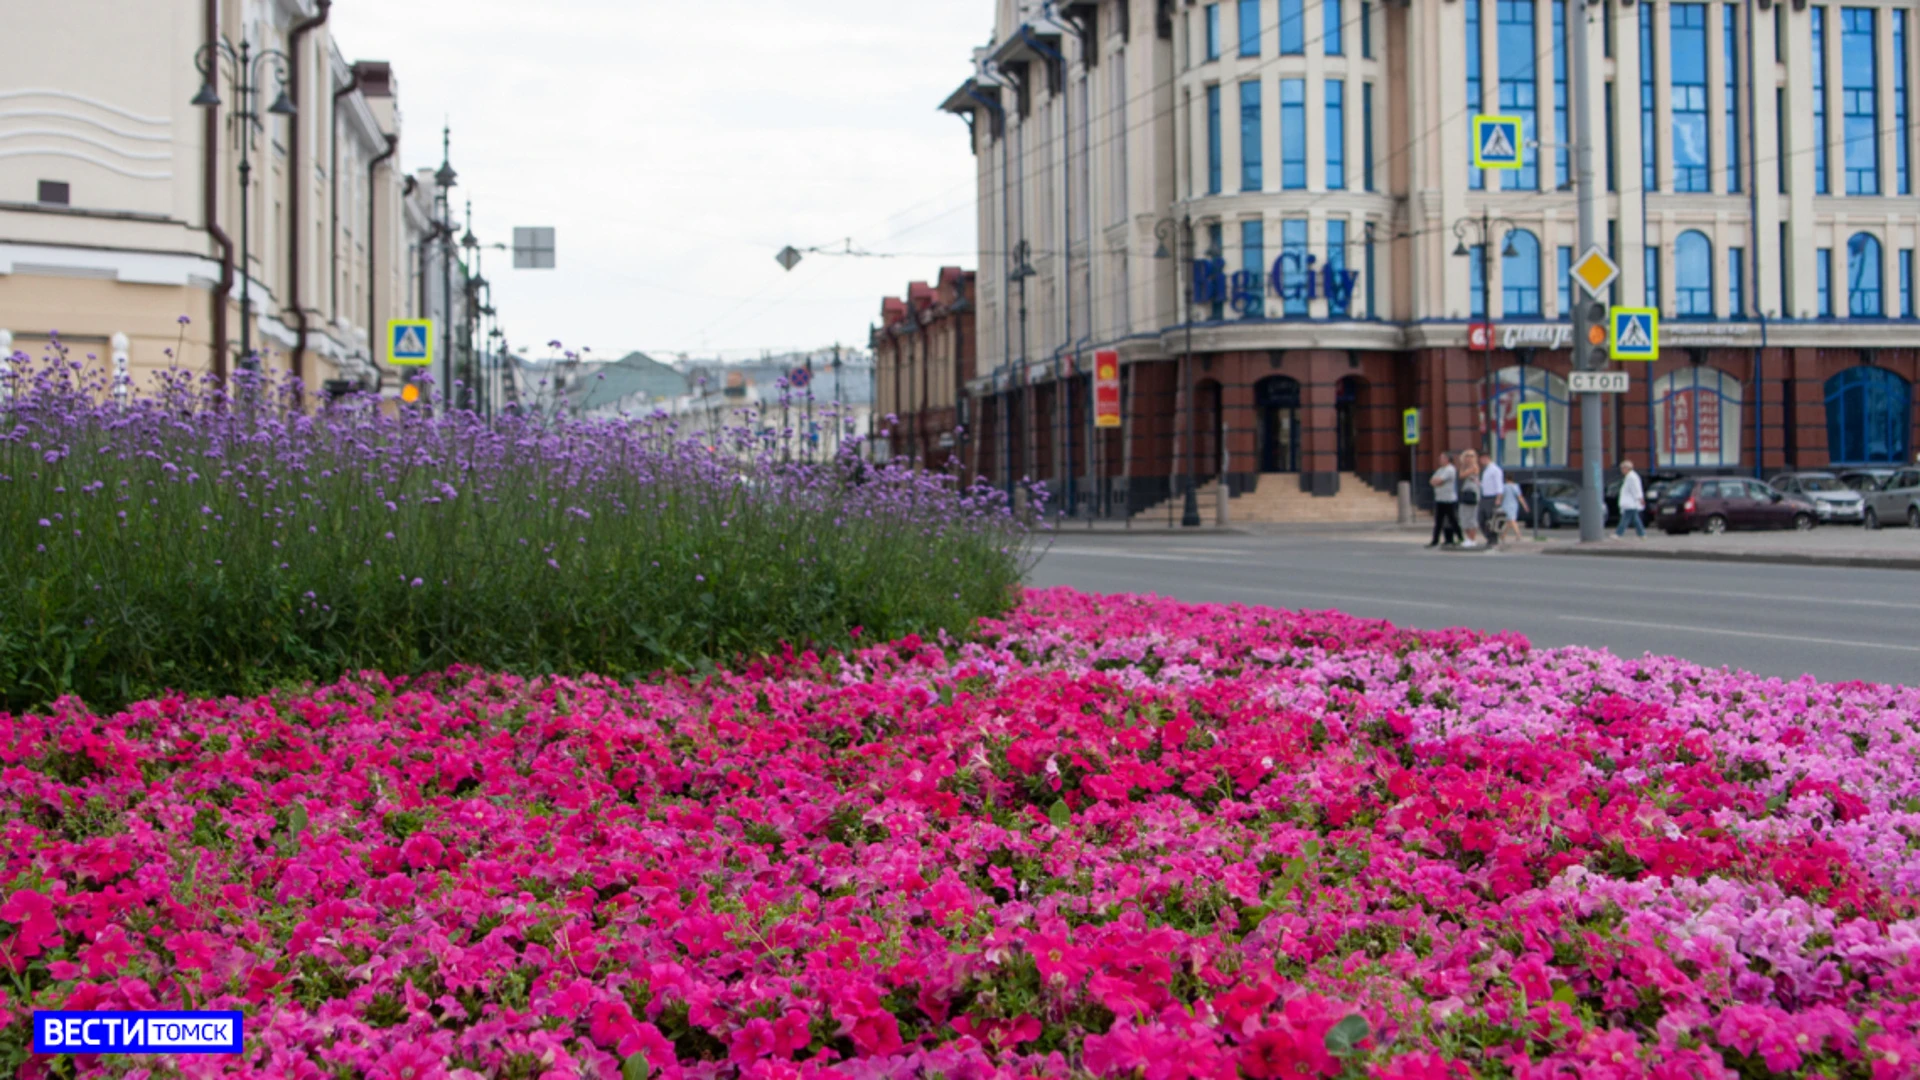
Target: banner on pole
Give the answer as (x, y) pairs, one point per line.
(1106, 389)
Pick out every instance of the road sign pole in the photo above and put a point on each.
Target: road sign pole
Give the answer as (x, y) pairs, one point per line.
(1593, 514)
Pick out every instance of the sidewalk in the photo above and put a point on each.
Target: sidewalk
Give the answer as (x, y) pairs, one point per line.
(1832, 545)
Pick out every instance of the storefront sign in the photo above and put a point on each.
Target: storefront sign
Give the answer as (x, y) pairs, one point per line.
(1536, 336)
(1693, 422)
(1295, 275)
(1106, 389)
(1480, 336)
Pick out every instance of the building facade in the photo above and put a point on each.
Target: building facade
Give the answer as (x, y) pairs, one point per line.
(925, 355)
(1270, 209)
(121, 199)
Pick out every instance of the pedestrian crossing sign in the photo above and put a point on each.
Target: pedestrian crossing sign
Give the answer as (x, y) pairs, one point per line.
(1633, 333)
(1410, 427)
(1497, 143)
(410, 342)
(1532, 424)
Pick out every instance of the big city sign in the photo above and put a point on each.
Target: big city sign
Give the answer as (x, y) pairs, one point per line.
(1294, 276)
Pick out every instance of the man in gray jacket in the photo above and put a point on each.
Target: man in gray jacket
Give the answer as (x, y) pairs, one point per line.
(1446, 503)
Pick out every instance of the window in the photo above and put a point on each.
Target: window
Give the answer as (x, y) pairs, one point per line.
(1373, 312)
(1293, 241)
(1249, 27)
(1253, 261)
(1337, 259)
(1736, 282)
(1859, 109)
(1693, 275)
(1730, 45)
(1213, 31)
(1476, 178)
(1216, 244)
(1863, 277)
(1477, 280)
(1293, 134)
(1563, 279)
(1906, 283)
(1519, 84)
(1213, 140)
(1687, 64)
(1780, 138)
(1336, 134)
(1528, 384)
(1613, 155)
(1250, 154)
(1118, 140)
(1520, 275)
(1649, 146)
(1697, 419)
(55, 193)
(1902, 179)
(1786, 262)
(1869, 417)
(1650, 292)
(1366, 135)
(1366, 29)
(1330, 34)
(1823, 281)
(1562, 134)
(1819, 101)
(1293, 27)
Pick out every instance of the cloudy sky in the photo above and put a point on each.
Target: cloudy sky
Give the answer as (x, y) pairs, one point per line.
(676, 146)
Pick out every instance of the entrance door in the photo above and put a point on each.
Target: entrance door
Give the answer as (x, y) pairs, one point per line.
(1277, 400)
(1346, 402)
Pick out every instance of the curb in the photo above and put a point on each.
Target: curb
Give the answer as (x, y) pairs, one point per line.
(1783, 558)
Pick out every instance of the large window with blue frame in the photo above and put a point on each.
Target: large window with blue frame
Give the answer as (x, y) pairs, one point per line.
(1520, 275)
(1649, 145)
(1697, 418)
(1252, 176)
(1213, 140)
(1562, 134)
(1293, 134)
(1693, 275)
(1331, 38)
(1253, 261)
(1730, 46)
(1863, 277)
(1249, 27)
(1818, 26)
(1293, 27)
(1823, 281)
(1687, 60)
(1476, 101)
(1529, 384)
(1902, 179)
(1337, 259)
(1293, 241)
(1519, 84)
(1212, 16)
(1336, 134)
(1859, 101)
(1869, 417)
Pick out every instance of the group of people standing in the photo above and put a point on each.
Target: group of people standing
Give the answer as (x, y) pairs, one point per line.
(1474, 504)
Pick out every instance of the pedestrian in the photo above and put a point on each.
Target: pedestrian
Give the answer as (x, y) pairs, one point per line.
(1511, 503)
(1493, 489)
(1446, 503)
(1470, 498)
(1633, 500)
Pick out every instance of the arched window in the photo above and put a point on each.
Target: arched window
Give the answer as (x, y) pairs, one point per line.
(1697, 419)
(1514, 386)
(1693, 276)
(1869, 417)
(1520, 274)
(1863, 276)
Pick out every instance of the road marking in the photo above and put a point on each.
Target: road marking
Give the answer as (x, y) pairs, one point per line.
(1744, 633)
(1348, 599)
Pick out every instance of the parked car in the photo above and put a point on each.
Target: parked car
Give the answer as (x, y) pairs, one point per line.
(1556, 501)
(1651, 485)
(1897, 500)
(1715, 504)
(1834, 501)
(1869, 480)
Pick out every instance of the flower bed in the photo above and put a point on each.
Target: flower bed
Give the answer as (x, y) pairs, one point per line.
(1111, 838)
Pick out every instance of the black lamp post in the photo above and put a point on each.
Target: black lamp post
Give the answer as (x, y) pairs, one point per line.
(1163, 232)
(245, 72)
(1485, 227)
(1021, 271)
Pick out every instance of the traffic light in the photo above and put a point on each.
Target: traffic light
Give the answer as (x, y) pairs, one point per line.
(1590, 331)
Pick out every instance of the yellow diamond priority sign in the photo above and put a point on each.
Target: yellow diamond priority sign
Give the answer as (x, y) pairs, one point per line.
(1594, 272)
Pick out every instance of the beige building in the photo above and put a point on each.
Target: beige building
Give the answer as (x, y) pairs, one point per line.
(120, 197)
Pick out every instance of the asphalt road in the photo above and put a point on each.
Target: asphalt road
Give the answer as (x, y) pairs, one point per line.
(1835, 624)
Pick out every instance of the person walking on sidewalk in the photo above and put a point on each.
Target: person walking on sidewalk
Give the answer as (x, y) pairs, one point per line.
(1493, 494)
(1508, 520)
(1470, 498)
(1633, 500)
(1446, 503)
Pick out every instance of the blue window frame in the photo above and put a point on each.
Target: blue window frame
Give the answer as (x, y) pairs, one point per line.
(1650, 294)
(1697, 416)
(1819, 25)
(1906, 283)
(1213, 140)
(1859, 101)
(1649, 145)
(1780, 124)
(1212, 15)
(1519, 83)
(1823, 281)
(1736, 282)
(1251, 172)
(1337, 258)
(1563, 279)
(1562, 134)
(1373, 312)
(1520, 275)
(1293, 134)
(1336, 135)
(1902, 179)
(1366, 30)
(1366, 135)
(1529, 385)
(1293, 27)
(1253, 260)
(1249, 27)
(1216, 248)
(1869, 417)
(1476, 99)
(1687, 61)
(1613, 155)
(1477, 281)
(1863, 277)
(1693, 276)
(1730, 45)
(1293, 241)
(1331, 39)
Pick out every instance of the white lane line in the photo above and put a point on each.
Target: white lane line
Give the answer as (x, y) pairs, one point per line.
(1347, 599)
(1797, 638)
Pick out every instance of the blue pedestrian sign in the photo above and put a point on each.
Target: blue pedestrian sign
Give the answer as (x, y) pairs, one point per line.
(1497, 143)
(1633, 333)
(410, 342)
(1532, 424)
(1410, 427)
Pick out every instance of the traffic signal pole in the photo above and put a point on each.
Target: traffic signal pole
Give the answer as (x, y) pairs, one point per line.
(1589, 354)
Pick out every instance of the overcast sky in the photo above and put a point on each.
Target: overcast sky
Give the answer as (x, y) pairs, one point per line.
(677, 146)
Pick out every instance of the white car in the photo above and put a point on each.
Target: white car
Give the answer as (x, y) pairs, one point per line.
(1833, 501)
(1896, 501)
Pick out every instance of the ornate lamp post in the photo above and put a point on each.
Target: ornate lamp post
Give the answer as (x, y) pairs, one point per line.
(246, 72)
(1485, 228)
(1164, 231)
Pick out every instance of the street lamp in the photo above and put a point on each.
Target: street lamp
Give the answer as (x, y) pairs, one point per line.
(245, 71)
(1164, 231)
(1021, 271)
(1485, 228)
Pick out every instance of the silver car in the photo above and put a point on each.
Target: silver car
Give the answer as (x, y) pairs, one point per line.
(1897, 500)
(1835, 502)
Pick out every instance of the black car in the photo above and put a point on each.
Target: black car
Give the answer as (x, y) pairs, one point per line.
(1556, 501)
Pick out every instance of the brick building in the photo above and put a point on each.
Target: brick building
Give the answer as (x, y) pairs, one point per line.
(924, 352)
